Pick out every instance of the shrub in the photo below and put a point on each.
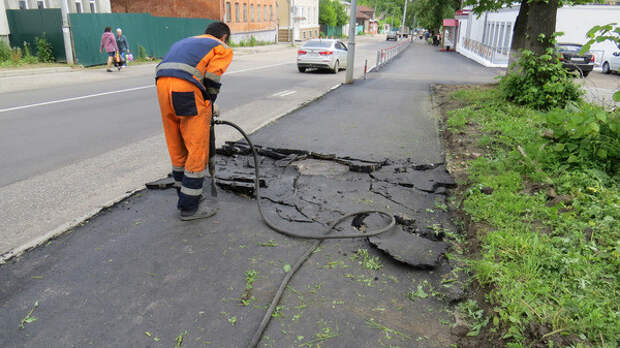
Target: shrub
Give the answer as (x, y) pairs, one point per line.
(5, 51)
(45, 51)
(141, 52)
(27, 49)
(586, 135)
(16, 55)
(540, 82)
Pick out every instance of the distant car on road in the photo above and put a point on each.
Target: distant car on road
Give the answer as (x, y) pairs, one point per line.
(611, 63)
(322, 54)
(572, 60)
(391, 35)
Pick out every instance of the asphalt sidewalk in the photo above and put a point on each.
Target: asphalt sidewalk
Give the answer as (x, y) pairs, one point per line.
(136, 276)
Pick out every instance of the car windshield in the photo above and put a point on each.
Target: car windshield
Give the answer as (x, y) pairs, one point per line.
(569, 48)
(318, 43)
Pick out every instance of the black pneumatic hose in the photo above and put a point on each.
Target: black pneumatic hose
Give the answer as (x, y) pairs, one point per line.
(319, 239)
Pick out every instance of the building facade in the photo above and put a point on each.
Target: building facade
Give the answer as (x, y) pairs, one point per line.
(366, 17)
(298, 20)
(246, 18)
(487, 38)
(75, 6)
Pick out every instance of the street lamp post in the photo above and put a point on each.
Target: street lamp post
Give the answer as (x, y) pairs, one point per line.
(404, 16)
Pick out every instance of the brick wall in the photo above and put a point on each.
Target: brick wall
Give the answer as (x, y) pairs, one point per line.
(171, 8)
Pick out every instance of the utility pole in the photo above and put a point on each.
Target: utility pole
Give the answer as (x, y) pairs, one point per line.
(404, 16)
(351, 52)
(66, 31)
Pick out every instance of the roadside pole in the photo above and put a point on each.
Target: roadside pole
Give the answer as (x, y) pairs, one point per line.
(404, 17)
(351, 54)
(66, 31)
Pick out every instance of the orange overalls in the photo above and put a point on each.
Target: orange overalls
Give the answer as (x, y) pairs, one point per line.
(188, 81)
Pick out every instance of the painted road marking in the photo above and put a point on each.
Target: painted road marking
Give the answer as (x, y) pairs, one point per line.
(283, 93)
(123, 90)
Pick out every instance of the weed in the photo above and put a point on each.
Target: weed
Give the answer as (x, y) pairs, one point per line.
(323, 335)
(250, 278)
(367, 261)
(271, 243)
(179, 339)
(45, 50)
(548, 230)
(277, 312)
(29, 318)
(418, 293)
(232, 320)
(389, 332)
(475, 316)
(5, 51)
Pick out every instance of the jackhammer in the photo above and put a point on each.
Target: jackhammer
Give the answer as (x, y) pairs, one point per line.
(318, 238)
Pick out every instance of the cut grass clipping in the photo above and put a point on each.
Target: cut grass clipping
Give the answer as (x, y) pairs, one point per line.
(545, 202)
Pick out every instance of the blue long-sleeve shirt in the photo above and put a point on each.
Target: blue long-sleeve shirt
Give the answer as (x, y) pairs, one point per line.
(121, 42)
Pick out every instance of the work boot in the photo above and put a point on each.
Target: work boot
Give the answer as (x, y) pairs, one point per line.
(201, 212)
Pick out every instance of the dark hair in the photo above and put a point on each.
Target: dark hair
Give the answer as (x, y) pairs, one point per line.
(218, 29)
(107, 29)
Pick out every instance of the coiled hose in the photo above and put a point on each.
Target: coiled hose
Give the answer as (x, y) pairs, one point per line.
(318, 239)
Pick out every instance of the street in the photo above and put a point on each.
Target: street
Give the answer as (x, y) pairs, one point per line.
(134, 275)
(74, 142)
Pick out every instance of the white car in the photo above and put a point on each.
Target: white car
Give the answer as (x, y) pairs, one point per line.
(322, 54)
(612, 63)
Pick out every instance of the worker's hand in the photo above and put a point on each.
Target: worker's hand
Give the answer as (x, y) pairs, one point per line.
(216, 110)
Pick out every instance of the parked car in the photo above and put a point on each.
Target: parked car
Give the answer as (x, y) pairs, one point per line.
(612, 63)
(391, 35)
(322, 54)
(572, 60)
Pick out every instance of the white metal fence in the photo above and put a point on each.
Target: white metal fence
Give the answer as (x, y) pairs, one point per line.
(385, 55)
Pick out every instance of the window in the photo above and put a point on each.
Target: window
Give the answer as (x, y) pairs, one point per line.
(40, 4)
(228, 12)
(78, 6)
(258, 13)
(23, 5)
(271, 13)
(93, 6)
(237, 12)
(265, 13)
(304, 35)
(245, 12)
(252, 13)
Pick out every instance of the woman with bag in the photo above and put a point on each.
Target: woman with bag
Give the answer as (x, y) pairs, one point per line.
(108, 43)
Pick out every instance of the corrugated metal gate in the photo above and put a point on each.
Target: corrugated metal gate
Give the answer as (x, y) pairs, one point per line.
(25, 25)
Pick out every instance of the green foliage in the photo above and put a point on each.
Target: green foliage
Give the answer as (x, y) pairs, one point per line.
(586, 134)
(430, 13)
(341, 13)
(547, 262)
(16, 55)
(540, 82)
(45, 52)
(327, 13)
(5, 51)
(141, 52)
(600, 33)
(251, 42)
(480, 6)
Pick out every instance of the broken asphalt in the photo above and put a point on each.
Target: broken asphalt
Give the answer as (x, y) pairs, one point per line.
(135, 276)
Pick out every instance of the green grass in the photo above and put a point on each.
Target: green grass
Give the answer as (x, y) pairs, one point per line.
(554, 265)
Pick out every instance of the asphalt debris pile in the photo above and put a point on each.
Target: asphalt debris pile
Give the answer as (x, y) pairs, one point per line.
(314, 189)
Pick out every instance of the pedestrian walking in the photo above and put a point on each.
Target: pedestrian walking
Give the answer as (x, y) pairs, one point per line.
(108, 43)
(188, 81)
(123, 45)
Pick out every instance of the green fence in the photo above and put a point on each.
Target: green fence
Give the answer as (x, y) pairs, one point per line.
(331, 31)
(25, 25)
(156, 34)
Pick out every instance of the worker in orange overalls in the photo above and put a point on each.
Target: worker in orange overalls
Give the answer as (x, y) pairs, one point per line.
(188, 81)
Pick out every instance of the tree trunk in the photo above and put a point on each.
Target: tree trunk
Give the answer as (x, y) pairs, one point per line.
(535, 18)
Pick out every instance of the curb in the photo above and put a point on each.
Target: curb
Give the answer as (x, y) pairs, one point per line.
(35, 71)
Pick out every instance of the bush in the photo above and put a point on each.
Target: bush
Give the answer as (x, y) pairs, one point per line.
(141, 52)
(540, 82)
(586, 136)
(5, 51)
(16, 55)
(45, 51)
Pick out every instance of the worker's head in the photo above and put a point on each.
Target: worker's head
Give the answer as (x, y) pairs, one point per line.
(219, 30)
(107, 29)
(119, 31)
